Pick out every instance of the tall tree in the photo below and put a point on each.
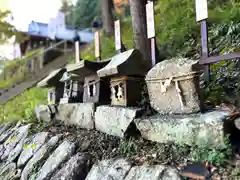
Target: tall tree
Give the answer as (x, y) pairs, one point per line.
(84, 13)
(139, 24)
(107, 17)
(66, 8)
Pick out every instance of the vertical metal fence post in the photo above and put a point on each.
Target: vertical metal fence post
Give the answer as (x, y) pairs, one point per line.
(204, 42)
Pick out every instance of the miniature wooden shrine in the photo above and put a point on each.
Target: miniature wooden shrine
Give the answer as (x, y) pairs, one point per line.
(126, 71)
(73, 89)
(52, 81)
(96, 90)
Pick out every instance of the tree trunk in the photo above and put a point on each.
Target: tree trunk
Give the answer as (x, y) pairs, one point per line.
(139, 23)
(107, 17)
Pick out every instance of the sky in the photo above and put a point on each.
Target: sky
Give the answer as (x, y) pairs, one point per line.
(25, 11)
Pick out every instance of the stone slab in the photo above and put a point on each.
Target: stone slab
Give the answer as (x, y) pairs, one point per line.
(8, 171)
(114, 169)
(60, 155)
(5, 134)
(4, 128)
(114, 120)
(79, 114)
(41, 154)
(16, 151)
(31, 147)
(18, 135)
(43, 113)
(156, 172)
(76, 168)
(198, 129)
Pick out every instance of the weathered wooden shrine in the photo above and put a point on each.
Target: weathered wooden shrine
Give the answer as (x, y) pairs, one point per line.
(52, 81)
(72, 91)
(94, 89)
(126, 72)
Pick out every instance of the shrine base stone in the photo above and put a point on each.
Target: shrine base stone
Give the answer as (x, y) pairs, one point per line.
(42, 113)
(199, 129)
(114, 120)
(79, 114)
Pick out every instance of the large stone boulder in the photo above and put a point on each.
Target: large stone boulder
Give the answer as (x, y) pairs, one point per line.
(198, 129)
(173, 86)
(79, 114)
(114, 120)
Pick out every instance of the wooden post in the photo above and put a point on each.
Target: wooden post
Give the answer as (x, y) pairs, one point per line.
(41, 59)
(77, 51)
(151, 29)
(97, 46)
(32, 65)
(65, 48)
(202, 16)
(118, 44)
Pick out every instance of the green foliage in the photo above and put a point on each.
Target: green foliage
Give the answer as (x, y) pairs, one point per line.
(16, 71)
(236, 172)
(176, 26)
(66, 8)
(217, 156)
(128, 146)
(6, 29)
(84, 12)
(178, 33)
(21, 108)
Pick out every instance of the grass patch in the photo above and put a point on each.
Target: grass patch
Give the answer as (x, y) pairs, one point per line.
(21, 108)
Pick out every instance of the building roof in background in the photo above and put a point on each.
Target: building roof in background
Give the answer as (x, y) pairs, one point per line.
(68, 33)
